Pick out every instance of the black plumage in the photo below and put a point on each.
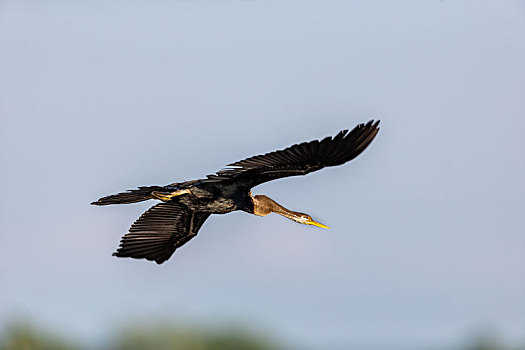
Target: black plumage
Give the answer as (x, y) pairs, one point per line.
(161, 230)
(185, 206)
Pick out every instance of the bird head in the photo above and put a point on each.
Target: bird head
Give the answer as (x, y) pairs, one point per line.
(307, 220)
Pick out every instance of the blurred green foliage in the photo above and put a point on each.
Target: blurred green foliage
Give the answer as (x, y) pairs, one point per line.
(170, 336)
(489, 341)
(22, 336)
(174, 337)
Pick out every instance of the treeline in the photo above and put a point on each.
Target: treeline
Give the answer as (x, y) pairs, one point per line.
(23, 336)
(169, 336)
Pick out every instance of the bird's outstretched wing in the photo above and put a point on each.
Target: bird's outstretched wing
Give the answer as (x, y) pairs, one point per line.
(300, 159)
(159, 231)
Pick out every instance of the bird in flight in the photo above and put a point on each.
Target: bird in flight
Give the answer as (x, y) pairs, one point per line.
(185, 206)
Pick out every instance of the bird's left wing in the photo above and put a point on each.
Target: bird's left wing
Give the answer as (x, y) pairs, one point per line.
(300, 159)
(159, 231)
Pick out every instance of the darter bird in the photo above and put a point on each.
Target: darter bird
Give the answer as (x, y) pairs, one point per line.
(185, 206)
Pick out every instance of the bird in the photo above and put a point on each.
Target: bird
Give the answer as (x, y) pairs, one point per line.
(185, 206)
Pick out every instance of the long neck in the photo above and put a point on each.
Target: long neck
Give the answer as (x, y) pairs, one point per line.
(264, 205)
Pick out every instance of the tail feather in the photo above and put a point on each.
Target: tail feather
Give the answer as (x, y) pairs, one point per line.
(131, 196)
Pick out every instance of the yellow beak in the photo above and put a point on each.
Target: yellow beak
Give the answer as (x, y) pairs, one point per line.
(316, 224)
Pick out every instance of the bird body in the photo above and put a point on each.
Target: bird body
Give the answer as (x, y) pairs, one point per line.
(185, 206)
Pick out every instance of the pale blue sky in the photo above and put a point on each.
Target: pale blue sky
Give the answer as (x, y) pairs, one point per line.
(428, 227)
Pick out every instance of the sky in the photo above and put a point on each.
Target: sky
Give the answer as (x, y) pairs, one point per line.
(427, 245)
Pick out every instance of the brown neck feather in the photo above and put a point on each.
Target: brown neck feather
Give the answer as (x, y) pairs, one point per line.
(263, 205)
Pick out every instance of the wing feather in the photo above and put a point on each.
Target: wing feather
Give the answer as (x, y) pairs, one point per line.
(302, 158)
(160, 231)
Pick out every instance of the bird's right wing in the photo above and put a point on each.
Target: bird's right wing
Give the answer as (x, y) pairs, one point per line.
(159, 231)
(300, 159)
